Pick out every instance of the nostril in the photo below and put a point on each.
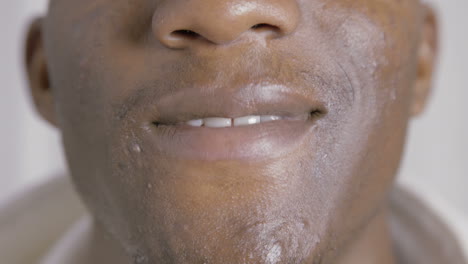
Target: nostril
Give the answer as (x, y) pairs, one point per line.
(185, 33)
(266, 29)
(258, 26)
(264, 26)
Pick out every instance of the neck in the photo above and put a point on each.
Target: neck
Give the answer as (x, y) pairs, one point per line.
(93, 245)
(374, 244)
(105, 249)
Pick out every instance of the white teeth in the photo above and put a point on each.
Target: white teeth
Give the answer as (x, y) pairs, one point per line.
(246, 120)
(195, 123)
(269, 118)
(217, 122)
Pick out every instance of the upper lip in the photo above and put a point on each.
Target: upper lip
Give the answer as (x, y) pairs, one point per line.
(256, 98)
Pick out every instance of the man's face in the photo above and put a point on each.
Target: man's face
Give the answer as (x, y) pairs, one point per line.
(343, 77)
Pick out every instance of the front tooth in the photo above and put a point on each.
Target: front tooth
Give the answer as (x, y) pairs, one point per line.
(246, 120)
(269, 118)
(217, 122)
(195, 123)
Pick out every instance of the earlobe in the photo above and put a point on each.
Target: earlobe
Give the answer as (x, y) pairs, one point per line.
(427, 54)
(37, 73)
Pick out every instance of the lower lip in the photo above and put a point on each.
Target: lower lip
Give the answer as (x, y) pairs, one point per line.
(247, 143)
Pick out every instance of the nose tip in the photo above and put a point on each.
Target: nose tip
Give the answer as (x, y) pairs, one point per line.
(179, 24)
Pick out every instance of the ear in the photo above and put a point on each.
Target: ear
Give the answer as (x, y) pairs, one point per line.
(427, 54)
(37, 72)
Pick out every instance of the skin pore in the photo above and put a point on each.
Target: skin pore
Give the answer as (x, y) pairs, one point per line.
(116, 77)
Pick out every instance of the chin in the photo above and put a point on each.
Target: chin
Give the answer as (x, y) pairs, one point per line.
(263, 243)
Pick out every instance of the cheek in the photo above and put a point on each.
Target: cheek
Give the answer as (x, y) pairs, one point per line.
(82, 95)
(360, 150)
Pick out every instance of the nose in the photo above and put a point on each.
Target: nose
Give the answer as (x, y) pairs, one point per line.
(180, 24)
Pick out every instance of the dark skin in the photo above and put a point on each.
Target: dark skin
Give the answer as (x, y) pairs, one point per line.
(117, 77)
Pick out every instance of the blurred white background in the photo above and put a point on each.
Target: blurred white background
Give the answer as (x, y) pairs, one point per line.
(436, 162)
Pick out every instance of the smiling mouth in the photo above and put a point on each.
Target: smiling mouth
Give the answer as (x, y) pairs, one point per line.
(250, 120)
(250, 138)
(252, 123)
